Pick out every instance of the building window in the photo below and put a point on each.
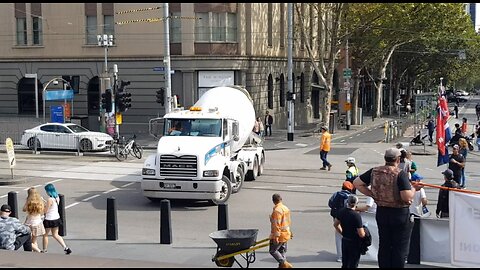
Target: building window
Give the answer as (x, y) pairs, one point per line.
(175, 28)
(37, 30)
(215, 27)
(21, 31)
(108, 25)
(91, 29)
(270, 24)
(270, 92)
(282, 90)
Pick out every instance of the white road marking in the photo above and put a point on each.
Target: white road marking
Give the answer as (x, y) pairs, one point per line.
(128, 184)
(111, 190)
(91, 197)
(294, 186)
(262, 187)
(71, 205)
(4, 196)
(429, 169)
(301, 144)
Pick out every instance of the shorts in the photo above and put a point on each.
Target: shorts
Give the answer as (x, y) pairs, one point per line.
(37, 230)
(52, 223)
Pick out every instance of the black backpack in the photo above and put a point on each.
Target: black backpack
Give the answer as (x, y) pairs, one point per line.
(366, 241)
(337, 201)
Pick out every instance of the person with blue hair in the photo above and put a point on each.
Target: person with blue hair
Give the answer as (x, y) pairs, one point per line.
(52, 219)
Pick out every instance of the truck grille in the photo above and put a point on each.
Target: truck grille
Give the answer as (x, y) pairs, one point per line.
(173, 166)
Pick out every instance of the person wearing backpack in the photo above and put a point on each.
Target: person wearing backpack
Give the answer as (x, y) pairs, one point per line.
(336, 202)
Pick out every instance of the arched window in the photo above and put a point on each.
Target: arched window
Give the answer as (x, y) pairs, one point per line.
(282, 90)
(93, 96)
(270, 91)
(26, 96)
(302, 88)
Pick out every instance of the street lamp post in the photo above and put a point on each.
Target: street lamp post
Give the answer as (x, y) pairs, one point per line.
(55, 81)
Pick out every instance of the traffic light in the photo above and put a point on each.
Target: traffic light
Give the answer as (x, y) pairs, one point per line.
(107, 100)
(123, 101)
(161, 96)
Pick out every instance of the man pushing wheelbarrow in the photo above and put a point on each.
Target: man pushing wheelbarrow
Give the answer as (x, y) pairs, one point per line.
(236, 242)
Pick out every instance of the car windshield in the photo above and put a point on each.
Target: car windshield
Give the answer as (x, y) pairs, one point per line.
(77, 128)
(193, 127)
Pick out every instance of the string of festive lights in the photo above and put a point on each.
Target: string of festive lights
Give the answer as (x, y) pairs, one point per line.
(137, 10)
(154, 20)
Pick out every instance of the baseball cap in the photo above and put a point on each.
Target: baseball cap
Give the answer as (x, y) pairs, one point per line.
(6, 208)
(348, 185)
(350, 160)
(448, 174)
(392, 153)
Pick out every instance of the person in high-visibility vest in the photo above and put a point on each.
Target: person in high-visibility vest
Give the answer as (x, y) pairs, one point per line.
(351, 172)
(325, 148)
(280, 231)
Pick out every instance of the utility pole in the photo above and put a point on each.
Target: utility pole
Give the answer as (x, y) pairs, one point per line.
(166, 60)
(290, 95)
(347, 88)
(115, 90)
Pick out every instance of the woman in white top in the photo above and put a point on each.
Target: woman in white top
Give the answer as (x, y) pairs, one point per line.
(34, 207)
(52, 219)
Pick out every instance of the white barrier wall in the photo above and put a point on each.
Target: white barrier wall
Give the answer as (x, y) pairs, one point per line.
(465, 228)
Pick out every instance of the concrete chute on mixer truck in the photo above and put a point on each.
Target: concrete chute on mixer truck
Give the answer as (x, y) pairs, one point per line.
(207, 151)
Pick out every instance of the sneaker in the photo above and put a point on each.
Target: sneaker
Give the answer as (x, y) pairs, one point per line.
(67, 250)
(43, 251)
(329, 167)
(323, 168)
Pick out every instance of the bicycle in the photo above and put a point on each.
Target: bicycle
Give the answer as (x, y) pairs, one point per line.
(122, 149)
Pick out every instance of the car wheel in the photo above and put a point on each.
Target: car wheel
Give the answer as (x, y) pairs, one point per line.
(85, 145)
(31, 143)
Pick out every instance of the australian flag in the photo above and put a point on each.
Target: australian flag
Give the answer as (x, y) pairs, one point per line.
(443, 131)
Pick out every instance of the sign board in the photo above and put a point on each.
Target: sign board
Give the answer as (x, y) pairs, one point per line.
(399, 102)
(118, 117)
(215, 78)
(334, 101)
(347, 73)
(10, 153)
(57, 114)
(58, 94)
(68, 111)
(159, 69)
(348, 106)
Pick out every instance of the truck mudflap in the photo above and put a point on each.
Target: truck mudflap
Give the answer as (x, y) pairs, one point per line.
(218, 191)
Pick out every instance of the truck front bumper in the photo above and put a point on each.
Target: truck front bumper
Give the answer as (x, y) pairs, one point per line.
(178, 189)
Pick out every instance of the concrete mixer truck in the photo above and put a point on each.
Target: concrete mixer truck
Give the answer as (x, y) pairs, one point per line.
(207, 151)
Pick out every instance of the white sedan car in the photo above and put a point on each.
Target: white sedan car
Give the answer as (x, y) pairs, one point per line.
(65, 136)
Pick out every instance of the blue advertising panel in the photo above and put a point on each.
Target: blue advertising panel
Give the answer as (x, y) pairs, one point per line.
(57, 114)
(58, 94)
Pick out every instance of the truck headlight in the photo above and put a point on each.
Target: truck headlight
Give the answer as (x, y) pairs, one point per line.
(210, 173)
(148, 171)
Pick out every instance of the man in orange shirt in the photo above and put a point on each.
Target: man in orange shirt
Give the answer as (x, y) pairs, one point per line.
(325, 148)
(280, 231)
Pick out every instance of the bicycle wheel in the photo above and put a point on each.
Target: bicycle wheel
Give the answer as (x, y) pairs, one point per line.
(137, 150)
(120, 153)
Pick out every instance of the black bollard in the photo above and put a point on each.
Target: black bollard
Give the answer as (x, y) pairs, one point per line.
(165, 223)
(62, 229)
(112, 225)
(222, 223)
(12, 201)
(414, 250)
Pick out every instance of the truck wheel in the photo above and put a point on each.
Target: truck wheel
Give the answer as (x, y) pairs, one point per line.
(253, 173)
(225, 191)
(238, 183)
(260, 166)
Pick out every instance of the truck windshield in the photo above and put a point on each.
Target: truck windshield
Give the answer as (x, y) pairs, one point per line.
(193, 127)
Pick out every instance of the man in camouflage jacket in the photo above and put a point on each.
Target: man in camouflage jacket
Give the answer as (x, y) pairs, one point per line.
(13, 234)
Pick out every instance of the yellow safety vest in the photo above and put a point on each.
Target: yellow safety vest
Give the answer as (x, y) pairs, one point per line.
(280, 223)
